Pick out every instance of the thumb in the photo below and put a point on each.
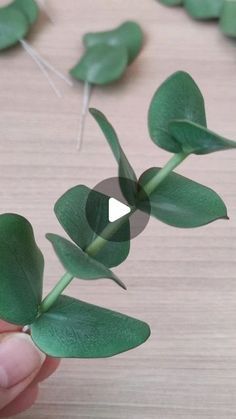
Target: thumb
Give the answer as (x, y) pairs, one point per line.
(20, 361)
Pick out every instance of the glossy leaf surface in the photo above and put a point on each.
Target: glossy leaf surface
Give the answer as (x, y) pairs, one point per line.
(129, 35)
(21, 271)
(228, 18)
(13, 26)
(198, 140)
(204, 9)
(70, 210)
(75, 329)
(79, 263)
(101, 64)
(177, 98)
(181, 202)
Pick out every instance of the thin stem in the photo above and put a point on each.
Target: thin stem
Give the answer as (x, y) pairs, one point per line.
(56, 292)
(41, 67)
(112, 228)
(46, 63)
(86, 100)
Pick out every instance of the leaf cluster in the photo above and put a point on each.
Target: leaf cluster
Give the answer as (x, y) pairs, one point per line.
(107, 54)
(223, 10)
(16, 20)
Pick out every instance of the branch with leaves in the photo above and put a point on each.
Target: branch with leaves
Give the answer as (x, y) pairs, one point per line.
(62, 326)
(223, 10)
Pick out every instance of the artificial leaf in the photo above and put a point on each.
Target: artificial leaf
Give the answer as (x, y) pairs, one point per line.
(70, 210)
(101, 64)
(181, 202)
(129, 35)
(228, 18)
(21, 271)
(204, 9)
(172, 2)
(75, 329)
(28, 7)
(126, 171)
(177, 98)
(79, 263)
(198, 140)
(13, 26)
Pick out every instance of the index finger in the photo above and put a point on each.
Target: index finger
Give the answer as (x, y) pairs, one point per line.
(7, 327)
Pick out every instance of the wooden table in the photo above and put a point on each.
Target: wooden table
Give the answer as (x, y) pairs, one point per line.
(183, 282)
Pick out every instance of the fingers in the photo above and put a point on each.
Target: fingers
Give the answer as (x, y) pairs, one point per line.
(23, 402)
(48, 368)
(20, 362)
(7, 327)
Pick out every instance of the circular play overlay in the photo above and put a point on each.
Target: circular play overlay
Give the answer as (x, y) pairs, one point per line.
(111, 210)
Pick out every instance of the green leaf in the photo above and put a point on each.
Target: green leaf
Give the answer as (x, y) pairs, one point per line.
(126, 171)
(28, 7)
(228, 18)
(70, 210)
(75, 329)
(180, 202)
(204, 9)
(79, 263)
(13, 26)
(172, 2)
(21, 271)
(177, 98)
(198, 140)
(101, 64)
(129, 35)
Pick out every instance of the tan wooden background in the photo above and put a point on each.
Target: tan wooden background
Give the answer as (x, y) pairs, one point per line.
(182, 282)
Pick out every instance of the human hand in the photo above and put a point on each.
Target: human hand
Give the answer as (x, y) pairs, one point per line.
(22, 368)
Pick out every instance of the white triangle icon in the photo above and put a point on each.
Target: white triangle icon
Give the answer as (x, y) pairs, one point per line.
(117, 210)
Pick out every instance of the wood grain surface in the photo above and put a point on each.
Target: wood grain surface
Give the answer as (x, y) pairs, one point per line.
(182, 282)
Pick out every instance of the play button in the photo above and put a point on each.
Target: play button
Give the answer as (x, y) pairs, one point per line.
(111, 207)
(117, 210)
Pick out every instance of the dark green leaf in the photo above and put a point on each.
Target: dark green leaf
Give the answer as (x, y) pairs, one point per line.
(74, 329)
(228, 18)
(180, 202)
(70, 210)
(129, 34)
(28, 7)
(204, 9)
(172, 2)
(198, 140)
(79, 263)
(126, 171)
(21, 271)
(101, 64)
(13, 26)
(177, 98)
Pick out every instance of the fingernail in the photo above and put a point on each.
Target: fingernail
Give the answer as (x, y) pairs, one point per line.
(19, 358)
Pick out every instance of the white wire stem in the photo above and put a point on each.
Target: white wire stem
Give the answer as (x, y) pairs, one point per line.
(41, 67)
(47, 64)
(42, 4)
(86, 100)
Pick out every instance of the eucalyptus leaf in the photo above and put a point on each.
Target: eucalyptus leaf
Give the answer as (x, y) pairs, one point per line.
(75, 329)
(172, 2)
(70, 210)
(28, 7)
(204, 9)
(129, 35)
(198, 140)
(21, 271)
(177, 98)
(79, 263)
(101, 64)
(181, 202)
(126, 171)
(14, 26)
(228, 18)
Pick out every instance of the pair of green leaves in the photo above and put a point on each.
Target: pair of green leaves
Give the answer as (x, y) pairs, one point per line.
(225, 10)
(71, 328)
(16, 20)
(108, 54)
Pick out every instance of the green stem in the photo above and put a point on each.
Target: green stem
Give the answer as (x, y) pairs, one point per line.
(111, 229)
(56, 292)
